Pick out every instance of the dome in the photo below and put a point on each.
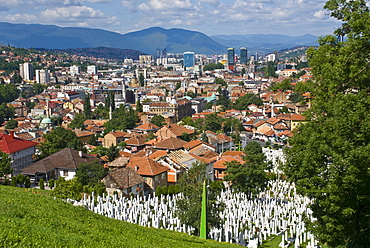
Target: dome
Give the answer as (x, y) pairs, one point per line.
(46, 121)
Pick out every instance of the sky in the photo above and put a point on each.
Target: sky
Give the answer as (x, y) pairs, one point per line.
(211, 17)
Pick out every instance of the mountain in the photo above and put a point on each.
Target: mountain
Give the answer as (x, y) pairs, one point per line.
(99, 52)
(265, 43)
(146, 41)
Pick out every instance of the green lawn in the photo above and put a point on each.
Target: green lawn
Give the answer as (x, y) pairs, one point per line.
(31, 218)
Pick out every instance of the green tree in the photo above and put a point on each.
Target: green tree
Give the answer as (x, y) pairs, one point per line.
(204, 137)
(90, 173)
(284, 85)
(78, 121)
(329, 156)
(150, 136)
(41, 184)
(158, 120)
(243, 102)
(67, 189)
(270, 69)
(250, 177)
(87, 107)
(296, 97)
(139, 106)
(213, 122)
(253, 148)
(101, 112)
(11, 124)
(141, 79)
(5, 164)
(6, 112)
(303, 87)
(187, 121)
(211, 67)
(38, 88)
(112, 153)
(58, 139)
(189, 206)
(220, 81)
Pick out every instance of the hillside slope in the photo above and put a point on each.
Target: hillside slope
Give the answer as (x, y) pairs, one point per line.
(30, 219)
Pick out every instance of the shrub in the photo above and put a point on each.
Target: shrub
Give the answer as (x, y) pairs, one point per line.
(14, 181)
(51, 183)
(27, 182)
(21, 179)
(41, 183)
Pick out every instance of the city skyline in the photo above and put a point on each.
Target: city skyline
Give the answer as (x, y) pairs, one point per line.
(211, 17)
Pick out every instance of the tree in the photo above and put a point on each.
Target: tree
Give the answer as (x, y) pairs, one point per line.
(41, 183)
(329, 156)
(250, 177)
(58, 139)
(90, 173)
(141, 79)
(243, 102)
(189, 205)
(158, 120)
(187, 121)
(5, 164)
(270, 69)
(78, 121)
(284, 85)
(112, 153)
(11, 124)
(87, 107)
(67, 189)
(220, 81)
(213, 122)
(139, 106)
(204, 137)
(253, 148)
(296, 97)
(211, 67)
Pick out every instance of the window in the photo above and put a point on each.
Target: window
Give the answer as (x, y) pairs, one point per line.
(65, 173)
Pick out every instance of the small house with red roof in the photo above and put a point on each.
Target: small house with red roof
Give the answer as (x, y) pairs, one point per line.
(154, 174)
(19, 150)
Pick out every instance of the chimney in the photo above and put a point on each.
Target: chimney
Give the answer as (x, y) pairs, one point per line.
(80, 153)
(136, 168)
(11, 134)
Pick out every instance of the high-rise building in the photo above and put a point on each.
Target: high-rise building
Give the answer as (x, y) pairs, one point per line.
(26, 71)
(74, 70)
(231, 58)
(91, 69)
(243, 55)
(42, 76)
(189, 59)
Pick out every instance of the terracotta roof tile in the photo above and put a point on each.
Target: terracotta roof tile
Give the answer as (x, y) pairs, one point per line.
(146, 166)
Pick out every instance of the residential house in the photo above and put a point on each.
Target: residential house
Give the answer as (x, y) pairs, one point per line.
(154, 174)
(173, 130)
(60, 164)
(124, 181)
(19, 150)
(113, 138)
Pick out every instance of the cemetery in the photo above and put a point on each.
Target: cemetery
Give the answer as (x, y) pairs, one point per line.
(277, 212)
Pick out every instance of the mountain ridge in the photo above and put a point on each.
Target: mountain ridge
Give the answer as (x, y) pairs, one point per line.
(147, 41)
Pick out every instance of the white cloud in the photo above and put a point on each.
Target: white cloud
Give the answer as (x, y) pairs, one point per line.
(18, 18)
(321, 14)
(6, 5)
(170, 4)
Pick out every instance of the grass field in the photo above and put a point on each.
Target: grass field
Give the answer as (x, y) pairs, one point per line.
(30, 218)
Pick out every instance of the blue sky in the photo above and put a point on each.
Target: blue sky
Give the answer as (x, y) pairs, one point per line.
(212, 17)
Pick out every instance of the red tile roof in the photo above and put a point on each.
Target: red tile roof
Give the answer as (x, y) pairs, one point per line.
(10, 144)
(146, 166)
